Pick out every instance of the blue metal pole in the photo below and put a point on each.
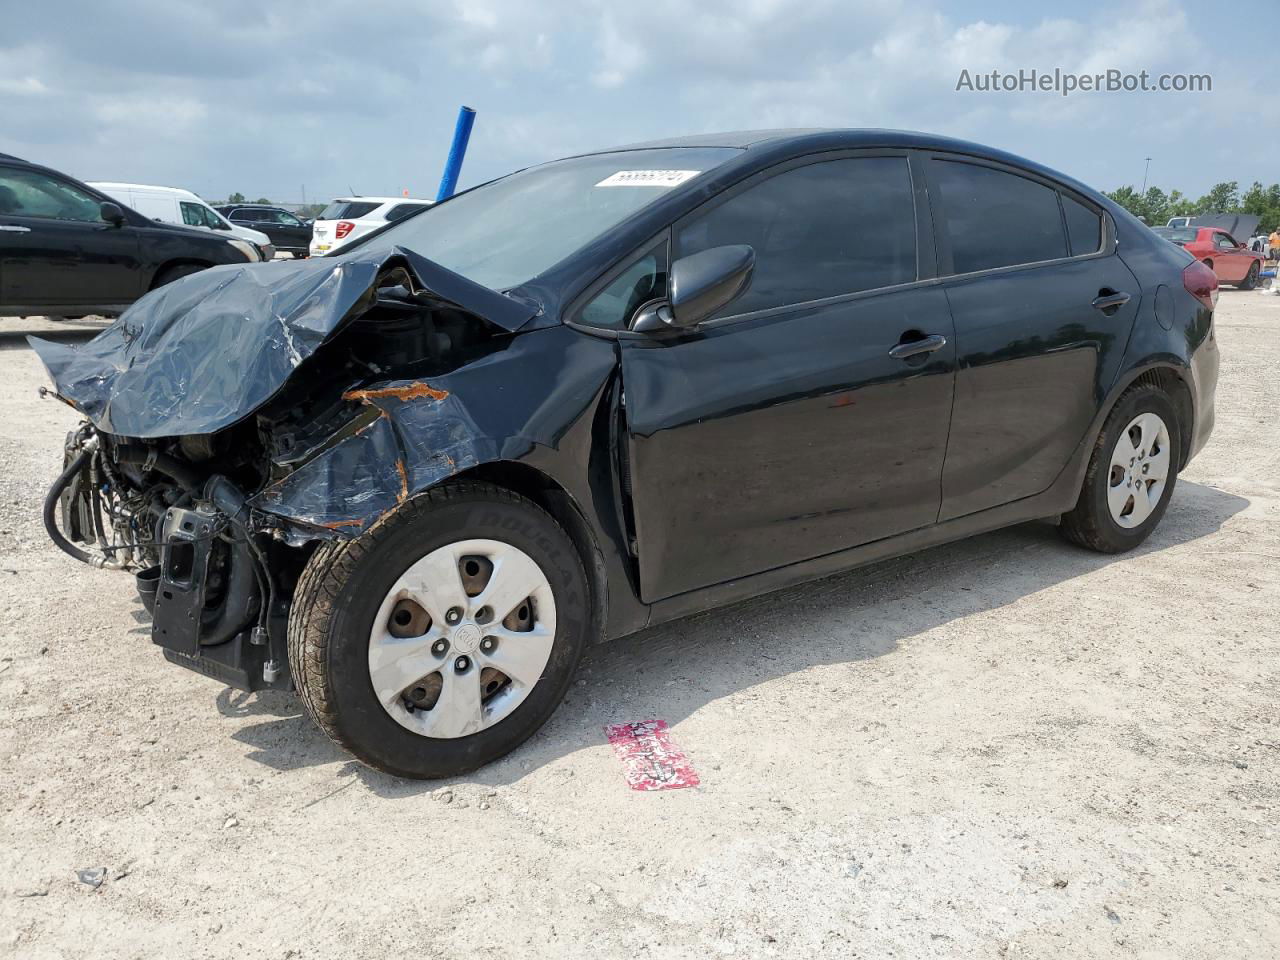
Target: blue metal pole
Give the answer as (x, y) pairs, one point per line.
(453, 166)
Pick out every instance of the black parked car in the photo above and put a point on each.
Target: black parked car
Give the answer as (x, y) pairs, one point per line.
(422, 475)
(287, 231)
(69, 250)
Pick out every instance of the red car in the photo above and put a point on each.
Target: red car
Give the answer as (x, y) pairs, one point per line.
(1233, 262)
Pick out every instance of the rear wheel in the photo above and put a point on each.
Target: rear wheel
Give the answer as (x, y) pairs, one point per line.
(1251, 278)
(1131, 474)
(445, 636)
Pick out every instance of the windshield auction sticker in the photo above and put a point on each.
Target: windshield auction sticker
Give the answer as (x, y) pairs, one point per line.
(648, 178)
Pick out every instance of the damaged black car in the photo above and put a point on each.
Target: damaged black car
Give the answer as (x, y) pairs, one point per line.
(413, 481)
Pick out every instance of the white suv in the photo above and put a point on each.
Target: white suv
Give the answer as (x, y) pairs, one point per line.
(347, 218)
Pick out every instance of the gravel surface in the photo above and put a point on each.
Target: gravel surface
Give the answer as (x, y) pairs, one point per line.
(1004, 747)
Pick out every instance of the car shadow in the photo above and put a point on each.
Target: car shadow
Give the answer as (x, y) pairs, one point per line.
(15, 330)
(670, 671)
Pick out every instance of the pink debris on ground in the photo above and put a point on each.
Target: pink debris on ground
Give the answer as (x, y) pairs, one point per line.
(650, 761)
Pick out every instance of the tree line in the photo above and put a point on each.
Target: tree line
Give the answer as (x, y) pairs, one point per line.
(1156, 207)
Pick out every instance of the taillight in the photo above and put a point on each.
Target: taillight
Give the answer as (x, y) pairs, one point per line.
(1202, 283)
(344, 227)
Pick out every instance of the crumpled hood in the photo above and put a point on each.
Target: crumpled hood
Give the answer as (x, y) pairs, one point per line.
(209, 349)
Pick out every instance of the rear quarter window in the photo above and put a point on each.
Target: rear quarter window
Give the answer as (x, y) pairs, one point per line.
(348, 210)
(992, 218)
(402, 210)
(1084, 227)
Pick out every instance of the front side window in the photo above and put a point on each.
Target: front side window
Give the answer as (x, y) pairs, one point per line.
(996, 219)
(26, 193)
(1224, 242)
(820, 230)
(193, 214)
(286, 218)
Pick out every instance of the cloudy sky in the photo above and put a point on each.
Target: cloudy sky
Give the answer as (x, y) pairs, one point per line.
(337, 97)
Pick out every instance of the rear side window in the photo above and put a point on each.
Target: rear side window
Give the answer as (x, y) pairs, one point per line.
(821, 230)
(996, 219)
(1084, 227)
(251, 215)
(348, 210)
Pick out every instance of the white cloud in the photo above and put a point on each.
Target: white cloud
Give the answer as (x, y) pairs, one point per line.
(234, 96)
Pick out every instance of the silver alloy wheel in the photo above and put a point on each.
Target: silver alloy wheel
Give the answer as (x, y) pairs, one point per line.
(1139, 470)
(462, 638)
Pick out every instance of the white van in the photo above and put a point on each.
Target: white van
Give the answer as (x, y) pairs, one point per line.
(174, 205)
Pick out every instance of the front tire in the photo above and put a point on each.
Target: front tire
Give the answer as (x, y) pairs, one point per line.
(1251, 278)
(401, 644)
(1131, 474)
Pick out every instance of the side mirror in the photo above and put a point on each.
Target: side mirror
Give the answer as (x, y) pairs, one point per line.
(700, 284)
(111, 213)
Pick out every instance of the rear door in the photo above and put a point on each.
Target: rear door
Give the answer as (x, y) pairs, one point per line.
(784, 428)
(1043, 307)
(55, 248)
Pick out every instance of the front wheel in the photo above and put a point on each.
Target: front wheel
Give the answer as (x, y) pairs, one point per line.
(1131, 474)
(1251, 278)
(445, 636)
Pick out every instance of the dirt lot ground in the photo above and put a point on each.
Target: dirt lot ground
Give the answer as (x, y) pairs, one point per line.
(1004, 747)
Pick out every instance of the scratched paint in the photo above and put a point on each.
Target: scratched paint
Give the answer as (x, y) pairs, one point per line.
(650, 761)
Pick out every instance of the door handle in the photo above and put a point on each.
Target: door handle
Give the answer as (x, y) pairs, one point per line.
(914, 348)
(1111, 301)
(9, 228)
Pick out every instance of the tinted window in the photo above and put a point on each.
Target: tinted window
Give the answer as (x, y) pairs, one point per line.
(253, 216)
(614, 306)
(1084, 227)
(402, 210)
(996, 219)
(818, 231)
(25, 193)
(347, 210)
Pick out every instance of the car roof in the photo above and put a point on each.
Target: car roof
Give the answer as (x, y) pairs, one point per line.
(168, 191)
(9, 156)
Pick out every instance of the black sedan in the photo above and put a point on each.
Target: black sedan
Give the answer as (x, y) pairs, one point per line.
(67, 249)
(416, 479)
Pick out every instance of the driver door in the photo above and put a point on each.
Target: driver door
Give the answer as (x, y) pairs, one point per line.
(783, 429)
(55, 248)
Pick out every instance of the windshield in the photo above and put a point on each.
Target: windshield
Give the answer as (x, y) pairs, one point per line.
(507, 232)
(1177, 234)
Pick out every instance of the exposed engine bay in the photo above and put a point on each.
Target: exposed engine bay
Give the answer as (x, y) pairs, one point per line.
(192, 514)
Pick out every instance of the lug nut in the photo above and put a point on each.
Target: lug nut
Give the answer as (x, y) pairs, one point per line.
(440, 647)
(461, 664)
(453, 616)
(488, 644)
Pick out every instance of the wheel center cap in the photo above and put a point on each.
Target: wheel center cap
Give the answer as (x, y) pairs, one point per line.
(466, 638)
